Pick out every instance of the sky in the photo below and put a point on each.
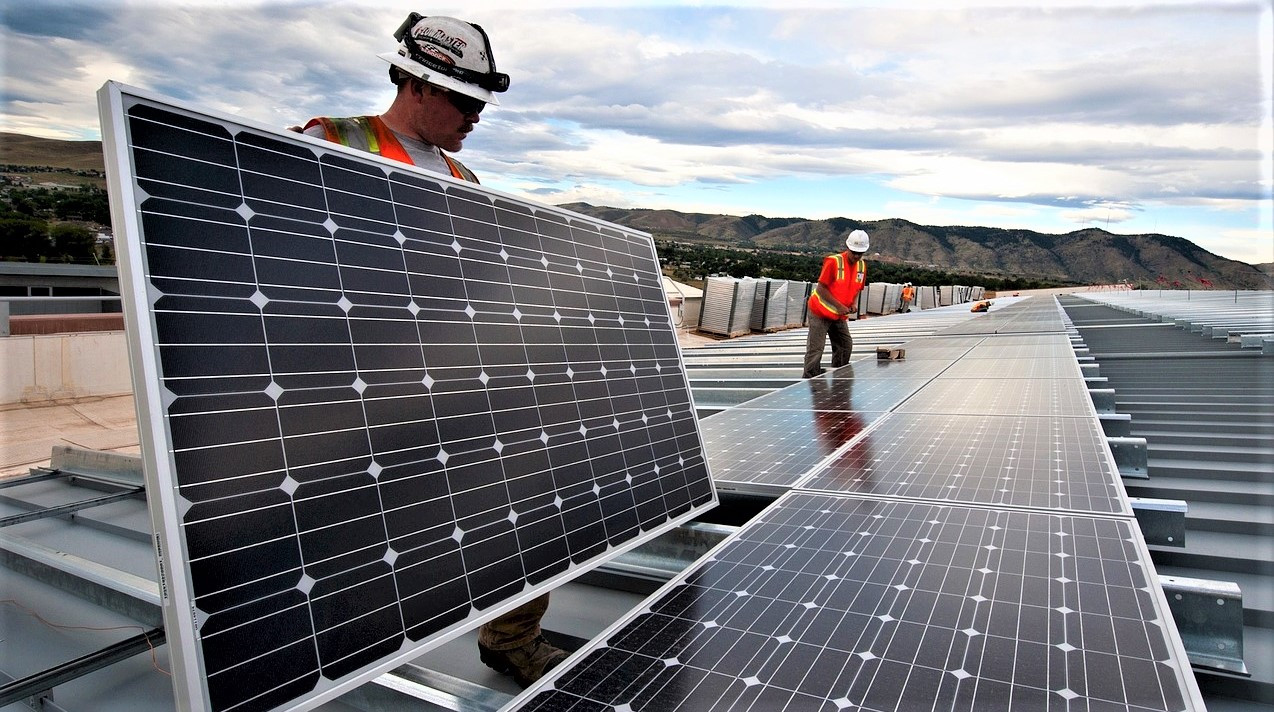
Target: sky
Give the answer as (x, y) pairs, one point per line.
(1133, 117)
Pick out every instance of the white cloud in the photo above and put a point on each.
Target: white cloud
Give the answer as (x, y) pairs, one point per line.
(1103, 215)
(996, 108)
(1253, 246)
(968, 178)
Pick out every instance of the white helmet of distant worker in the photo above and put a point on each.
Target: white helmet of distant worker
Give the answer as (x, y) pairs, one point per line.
(857, 241)
(449, 53)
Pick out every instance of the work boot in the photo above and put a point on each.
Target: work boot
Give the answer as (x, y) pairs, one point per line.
(527, 663)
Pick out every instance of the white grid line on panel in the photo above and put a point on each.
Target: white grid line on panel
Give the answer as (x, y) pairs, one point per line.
(313, 366)
(1008, 604)
(1019, 461)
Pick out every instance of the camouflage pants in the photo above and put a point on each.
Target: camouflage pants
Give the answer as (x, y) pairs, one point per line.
(515, 628)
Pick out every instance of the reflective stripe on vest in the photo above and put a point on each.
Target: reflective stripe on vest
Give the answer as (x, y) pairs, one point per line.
(843, 290)
(381, 141)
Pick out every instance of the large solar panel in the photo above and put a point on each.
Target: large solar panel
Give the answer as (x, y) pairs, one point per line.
(1014, 461)
(377, 406)
(972, 548)
(844, 603)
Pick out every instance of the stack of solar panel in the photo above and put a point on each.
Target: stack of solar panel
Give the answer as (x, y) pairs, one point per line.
(926, 297)
(798, 294)
(727, 306)
(769, 305)
(893, 298)
(876, 297)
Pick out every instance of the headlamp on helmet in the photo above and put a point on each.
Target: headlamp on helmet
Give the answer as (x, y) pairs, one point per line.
(424, 50)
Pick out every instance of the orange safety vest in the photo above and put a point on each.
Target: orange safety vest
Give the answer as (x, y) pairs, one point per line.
(908, 293)
(844, 288)
(381, 141)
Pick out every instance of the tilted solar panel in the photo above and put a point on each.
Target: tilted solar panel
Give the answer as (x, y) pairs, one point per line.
(843, 603)
(377, 406)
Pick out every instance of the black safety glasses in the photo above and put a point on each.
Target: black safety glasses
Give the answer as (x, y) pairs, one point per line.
(465, 104)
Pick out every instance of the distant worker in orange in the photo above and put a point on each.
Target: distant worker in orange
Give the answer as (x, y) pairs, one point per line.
(843, 276)
(908, 296)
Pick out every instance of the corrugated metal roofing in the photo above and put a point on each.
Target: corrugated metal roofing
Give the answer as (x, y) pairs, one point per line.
(1204, 405)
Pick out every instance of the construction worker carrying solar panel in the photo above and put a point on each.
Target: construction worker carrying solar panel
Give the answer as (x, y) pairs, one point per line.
(445, 73)
(446, 76)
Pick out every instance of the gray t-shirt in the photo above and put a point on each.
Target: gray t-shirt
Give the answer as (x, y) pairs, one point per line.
(424, 155)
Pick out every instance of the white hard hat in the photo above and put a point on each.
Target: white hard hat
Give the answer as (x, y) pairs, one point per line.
(857, 241)
(449, 53)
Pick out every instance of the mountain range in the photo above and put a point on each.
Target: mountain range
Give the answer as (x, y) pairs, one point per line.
(1089, 256)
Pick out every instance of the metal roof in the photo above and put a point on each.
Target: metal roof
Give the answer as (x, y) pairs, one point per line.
(81, 578)
(1205, 405)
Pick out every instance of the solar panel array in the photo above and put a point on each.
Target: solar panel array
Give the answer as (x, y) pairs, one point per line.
(970, 547)
(377, 406)
(771, 452)
(834, 603)
(1015, 461)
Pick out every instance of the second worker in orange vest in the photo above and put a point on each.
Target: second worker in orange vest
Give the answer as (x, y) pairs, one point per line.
(834, 298)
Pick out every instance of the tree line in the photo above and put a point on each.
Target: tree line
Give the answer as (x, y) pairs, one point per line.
(691, 263)
(40, 224)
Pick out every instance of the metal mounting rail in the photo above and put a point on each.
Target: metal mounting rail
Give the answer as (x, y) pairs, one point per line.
(70, 507)
(41, 683)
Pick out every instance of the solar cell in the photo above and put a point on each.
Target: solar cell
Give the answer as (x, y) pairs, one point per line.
(972, 367)
(1015, 461)
(839, 391)
(1012, 340)
(833, 603)
(947, 346)
(1024, 317)
(1006, 348)
(377, 406)
(1001, 396)
(767, 451)
(918, 366)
